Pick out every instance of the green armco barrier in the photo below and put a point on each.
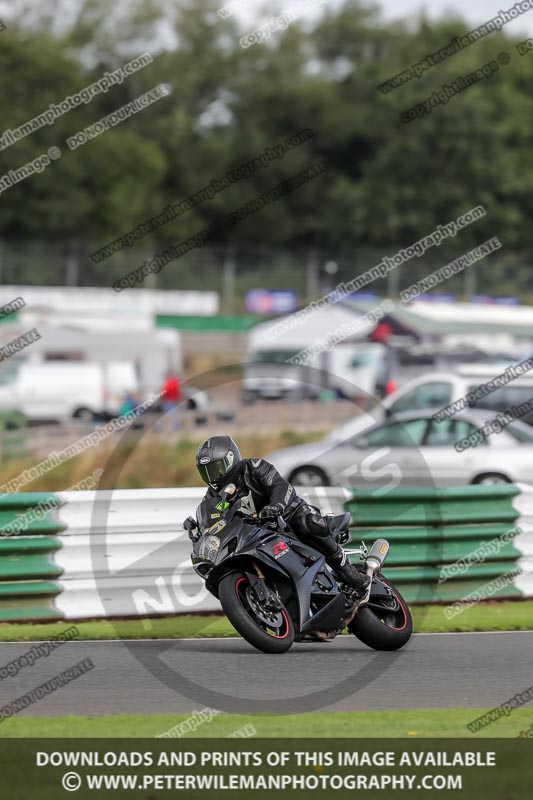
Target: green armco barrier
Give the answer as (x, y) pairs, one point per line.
(28, 600)
(28, 541)
(430, 528)
(415, 592)
(411, 506)
(29, 499)
(445, 552)
(11, 521)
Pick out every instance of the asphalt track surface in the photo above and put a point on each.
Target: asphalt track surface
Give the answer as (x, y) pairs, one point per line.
(178, 676)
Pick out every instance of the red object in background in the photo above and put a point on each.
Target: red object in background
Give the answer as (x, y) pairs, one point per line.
(390, 387)
(171, 390)
(381, 333)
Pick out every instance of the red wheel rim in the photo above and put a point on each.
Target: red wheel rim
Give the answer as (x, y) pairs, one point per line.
(401, 606)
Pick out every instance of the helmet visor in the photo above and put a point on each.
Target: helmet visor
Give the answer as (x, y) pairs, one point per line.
(213, 471)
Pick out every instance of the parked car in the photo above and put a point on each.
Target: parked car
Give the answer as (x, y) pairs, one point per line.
(436, 390)
(416, 450)
(195, 399)
(417, 360)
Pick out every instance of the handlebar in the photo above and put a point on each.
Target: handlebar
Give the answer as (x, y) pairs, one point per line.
(273, 522)
(249, 520)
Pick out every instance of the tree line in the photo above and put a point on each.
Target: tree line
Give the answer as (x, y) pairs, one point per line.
(392, 178)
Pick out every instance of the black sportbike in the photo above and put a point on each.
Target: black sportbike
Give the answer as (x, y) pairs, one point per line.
(276, 590)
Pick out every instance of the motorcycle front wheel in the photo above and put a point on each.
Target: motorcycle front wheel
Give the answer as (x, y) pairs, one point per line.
(385, 623)
(268, 631)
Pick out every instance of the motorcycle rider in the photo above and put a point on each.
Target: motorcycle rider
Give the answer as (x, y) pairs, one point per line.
(265, 492)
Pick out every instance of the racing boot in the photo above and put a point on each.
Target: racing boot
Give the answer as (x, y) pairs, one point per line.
(312, 524)
(346, 572)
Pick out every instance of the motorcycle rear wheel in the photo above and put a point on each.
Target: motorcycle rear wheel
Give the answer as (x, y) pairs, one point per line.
(385, 628)
(235, 598)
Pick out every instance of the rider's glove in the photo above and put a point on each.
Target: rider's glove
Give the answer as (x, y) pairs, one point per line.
(190, 526)
(271, 511)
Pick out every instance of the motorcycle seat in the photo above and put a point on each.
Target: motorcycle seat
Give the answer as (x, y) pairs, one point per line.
(339, 523)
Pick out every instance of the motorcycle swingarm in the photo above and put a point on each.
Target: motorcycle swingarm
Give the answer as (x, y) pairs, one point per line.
(377, 589)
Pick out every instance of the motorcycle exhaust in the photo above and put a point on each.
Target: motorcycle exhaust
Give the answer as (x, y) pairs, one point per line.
(374, 561)
(377, 555)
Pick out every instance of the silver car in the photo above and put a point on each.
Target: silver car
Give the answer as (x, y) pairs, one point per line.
(412, 449)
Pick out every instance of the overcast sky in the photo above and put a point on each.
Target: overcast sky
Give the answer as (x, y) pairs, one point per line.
(473, 11)
(476, 11)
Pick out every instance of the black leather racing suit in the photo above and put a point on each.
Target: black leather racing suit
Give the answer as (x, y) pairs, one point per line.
(260, 484)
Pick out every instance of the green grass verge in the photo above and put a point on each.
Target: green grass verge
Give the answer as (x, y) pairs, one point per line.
(146, 463)
(495, 616)
(433, 723)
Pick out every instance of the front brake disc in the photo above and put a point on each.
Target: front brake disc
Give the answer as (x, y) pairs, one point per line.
(270, 617)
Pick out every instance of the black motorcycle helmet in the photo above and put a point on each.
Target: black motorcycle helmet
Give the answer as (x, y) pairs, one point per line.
(218, 461)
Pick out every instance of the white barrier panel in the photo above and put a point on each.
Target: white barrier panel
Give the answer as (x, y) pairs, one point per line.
(125, 552)
(524, 541)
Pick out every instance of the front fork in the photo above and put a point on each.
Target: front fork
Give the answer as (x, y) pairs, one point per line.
(264, 594)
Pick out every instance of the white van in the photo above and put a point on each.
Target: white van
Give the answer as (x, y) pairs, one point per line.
(61, 390)
(352, 371)
(351, 368)
(153, 352)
